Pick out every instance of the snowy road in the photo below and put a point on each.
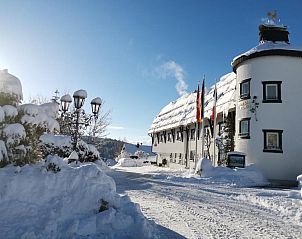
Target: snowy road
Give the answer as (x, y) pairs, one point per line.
(191, 209)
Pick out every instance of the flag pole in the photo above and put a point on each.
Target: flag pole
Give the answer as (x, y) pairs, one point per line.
(196, 146)
(197, 123)
(214, 126)
(202, 117)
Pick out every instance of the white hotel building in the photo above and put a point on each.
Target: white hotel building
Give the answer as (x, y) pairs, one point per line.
(262, 97)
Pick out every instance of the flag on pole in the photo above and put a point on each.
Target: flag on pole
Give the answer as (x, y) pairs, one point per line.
(198, 103)
(214, 104)
(202, 102)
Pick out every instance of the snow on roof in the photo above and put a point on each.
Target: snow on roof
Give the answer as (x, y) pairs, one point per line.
(266, 46)
(131, 148)
(10, 84)
(183, 110)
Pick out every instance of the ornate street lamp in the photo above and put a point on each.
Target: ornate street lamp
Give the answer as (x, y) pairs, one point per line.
(95, 105)
(78, 116)
(65, 102)
(79, 98)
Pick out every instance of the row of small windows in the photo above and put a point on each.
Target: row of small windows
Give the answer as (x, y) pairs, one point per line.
(272, 138)
(271, 91)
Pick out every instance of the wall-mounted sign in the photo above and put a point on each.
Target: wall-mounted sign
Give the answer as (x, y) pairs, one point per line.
(236, 160)
(244, 105)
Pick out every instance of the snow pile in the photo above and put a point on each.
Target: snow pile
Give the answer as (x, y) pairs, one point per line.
(287, 203)
(183, 110)
(241, 177)
(56, 200)
(129, 162)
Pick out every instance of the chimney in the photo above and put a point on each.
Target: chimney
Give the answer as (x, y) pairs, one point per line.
(273, 33)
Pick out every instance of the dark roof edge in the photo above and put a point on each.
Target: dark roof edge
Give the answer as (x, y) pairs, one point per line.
(272, 52)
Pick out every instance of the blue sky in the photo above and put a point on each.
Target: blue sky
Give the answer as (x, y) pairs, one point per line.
(127, 52)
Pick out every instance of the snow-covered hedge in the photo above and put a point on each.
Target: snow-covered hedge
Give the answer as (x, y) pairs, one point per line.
(61, 145)
(78, 201)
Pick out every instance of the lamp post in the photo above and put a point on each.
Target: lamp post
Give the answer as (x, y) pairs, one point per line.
(78, 117)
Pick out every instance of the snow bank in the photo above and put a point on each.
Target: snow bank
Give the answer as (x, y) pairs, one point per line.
(241, 177)
(128, 162)
(56, 200)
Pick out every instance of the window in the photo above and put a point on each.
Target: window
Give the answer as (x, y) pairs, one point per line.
(245, 89)
(178, 136)
(192, 134)
(272, 141)
(244, 128)
(169, 137)
(272, 91)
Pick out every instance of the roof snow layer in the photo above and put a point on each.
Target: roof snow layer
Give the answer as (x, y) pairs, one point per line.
(183, 110)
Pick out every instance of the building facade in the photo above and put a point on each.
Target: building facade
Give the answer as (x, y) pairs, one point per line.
(262, 98)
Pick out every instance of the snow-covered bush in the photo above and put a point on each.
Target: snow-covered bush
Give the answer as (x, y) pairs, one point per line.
(21, 128)
(61, 145)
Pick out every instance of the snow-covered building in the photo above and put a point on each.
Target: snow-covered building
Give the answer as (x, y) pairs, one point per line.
(131, 150)
(261, 96)
(268, 121)
(173, 129)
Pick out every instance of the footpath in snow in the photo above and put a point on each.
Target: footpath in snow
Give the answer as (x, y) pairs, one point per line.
(210, 207)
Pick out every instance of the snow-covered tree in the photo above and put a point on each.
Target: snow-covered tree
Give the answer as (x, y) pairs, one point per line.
(21, 128)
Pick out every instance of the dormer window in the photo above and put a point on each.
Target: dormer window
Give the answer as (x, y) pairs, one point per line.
(272, 91)
(245, 89)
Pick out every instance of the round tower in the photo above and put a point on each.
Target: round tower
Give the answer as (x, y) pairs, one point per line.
(268, 115)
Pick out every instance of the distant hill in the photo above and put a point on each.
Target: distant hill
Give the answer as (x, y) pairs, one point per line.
(108, 148)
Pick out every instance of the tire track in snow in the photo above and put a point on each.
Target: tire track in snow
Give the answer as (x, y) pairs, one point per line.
(202, 210)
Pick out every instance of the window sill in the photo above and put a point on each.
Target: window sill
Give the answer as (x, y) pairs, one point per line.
(271, 101)
(245, 97)
(244, 136)
(273, 151)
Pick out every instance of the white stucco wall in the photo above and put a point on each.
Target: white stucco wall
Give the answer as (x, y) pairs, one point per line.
(286, 116)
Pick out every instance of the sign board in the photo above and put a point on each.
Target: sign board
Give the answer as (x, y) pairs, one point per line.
(236, 160)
